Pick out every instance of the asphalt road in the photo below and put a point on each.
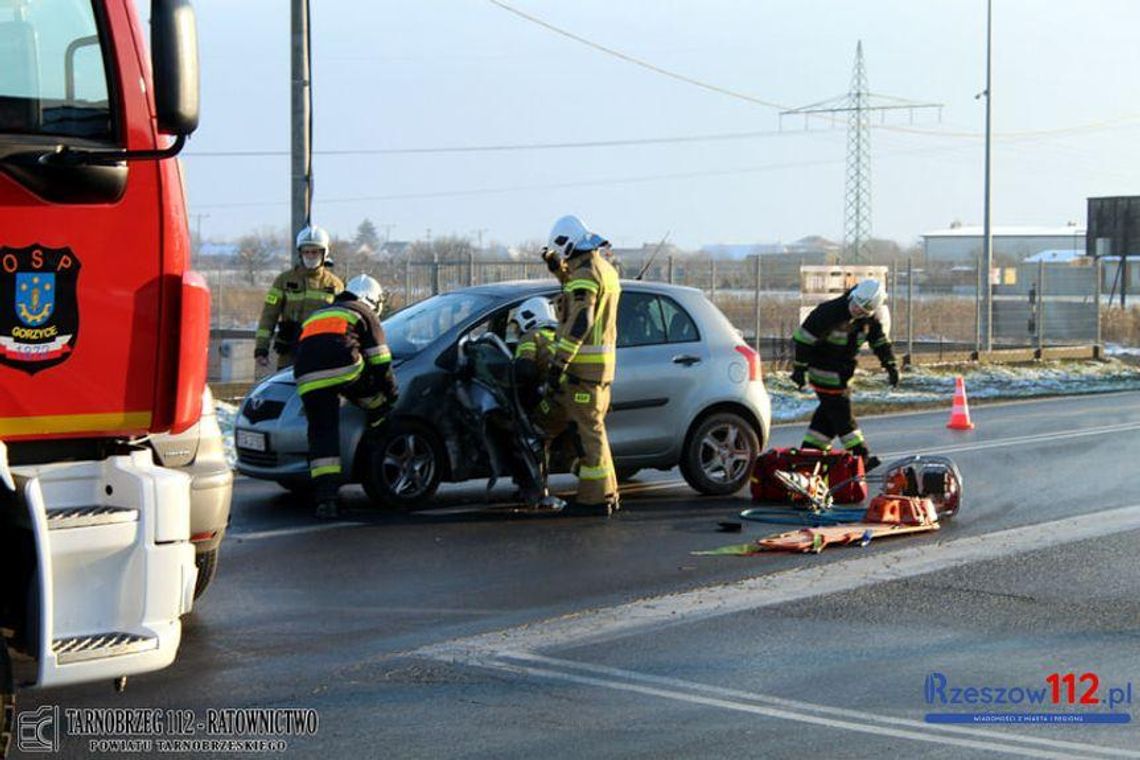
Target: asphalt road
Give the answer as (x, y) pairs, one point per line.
(461, 632)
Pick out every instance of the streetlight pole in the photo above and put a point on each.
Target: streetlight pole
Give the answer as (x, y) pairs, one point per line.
(987, 232)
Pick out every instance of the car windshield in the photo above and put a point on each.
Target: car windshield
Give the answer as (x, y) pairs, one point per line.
(413, 328)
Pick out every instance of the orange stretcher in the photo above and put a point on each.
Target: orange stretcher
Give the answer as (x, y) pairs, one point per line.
(887, 515)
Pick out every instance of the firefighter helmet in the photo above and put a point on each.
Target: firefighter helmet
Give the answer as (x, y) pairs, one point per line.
(312, 238)
(866, 297)
(534, 312)
(366, 289)
(570, 236)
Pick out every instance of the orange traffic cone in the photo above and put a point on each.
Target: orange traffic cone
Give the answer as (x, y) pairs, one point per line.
(960, 413)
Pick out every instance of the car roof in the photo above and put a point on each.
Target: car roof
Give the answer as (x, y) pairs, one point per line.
(516, 288)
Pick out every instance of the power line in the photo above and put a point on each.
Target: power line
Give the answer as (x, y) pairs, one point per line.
(637, 61)
(505, 147)
(767, 103)
(601, 182)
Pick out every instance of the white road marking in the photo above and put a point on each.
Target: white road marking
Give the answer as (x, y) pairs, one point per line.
(792, 585)
(995, 742)
(506, 659)
(515, 648)
(1021, 439)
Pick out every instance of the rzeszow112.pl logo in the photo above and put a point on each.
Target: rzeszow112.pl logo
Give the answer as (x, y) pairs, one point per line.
(1061, 698)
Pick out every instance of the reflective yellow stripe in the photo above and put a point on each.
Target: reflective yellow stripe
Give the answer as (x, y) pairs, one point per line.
(584, 358)
(593, 473)
(573, 285)
(325, 382)
(74, 423)
(331, 469)
(350, 316)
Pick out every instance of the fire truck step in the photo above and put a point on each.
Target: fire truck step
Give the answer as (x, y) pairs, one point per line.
(99, 646)
(86, 517)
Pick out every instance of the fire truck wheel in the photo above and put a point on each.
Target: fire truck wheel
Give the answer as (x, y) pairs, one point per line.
(207, 563)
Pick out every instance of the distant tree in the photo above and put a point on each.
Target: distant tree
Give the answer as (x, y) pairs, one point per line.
(353, 258)
(367, 235)
(256, 250)
(451, 248)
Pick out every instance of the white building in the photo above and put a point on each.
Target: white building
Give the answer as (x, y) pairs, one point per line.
(964, 244)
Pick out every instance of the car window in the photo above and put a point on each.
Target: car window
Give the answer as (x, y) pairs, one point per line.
(413, 328)
(640, 320)
(680, 327)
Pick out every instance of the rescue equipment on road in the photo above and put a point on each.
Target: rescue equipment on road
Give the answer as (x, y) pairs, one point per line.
(916, 493)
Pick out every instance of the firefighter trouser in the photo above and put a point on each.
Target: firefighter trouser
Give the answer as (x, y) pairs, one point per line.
(834, 417)
(284, 359)
(580, 408)
(322, 410)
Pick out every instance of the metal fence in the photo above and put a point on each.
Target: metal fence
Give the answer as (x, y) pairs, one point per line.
(1046, 305)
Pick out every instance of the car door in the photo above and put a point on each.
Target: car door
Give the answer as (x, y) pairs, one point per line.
(660, 362)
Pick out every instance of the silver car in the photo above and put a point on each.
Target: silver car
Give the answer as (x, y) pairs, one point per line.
(688, 393)
(199, 451)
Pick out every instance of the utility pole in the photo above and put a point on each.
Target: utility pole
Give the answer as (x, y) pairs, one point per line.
(858, 104)
(301, 101)
(987, 232)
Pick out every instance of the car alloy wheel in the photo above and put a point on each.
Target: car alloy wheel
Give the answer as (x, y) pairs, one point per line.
(403, 466)
(719, 453)
(408, 465)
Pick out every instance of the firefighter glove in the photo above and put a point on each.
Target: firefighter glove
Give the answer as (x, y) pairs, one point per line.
(553, 262)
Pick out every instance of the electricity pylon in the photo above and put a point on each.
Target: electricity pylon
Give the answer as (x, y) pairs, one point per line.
(858, 104)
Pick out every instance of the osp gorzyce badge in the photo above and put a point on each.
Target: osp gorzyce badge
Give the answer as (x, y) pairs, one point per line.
(39, 306)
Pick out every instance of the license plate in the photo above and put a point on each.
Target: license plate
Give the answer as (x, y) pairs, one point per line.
(250, 439)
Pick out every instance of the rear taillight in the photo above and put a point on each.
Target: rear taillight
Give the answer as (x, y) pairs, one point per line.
(753, 360)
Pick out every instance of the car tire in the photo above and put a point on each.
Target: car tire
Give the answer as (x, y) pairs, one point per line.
(402, 467)
(719, 452)
(207, 563)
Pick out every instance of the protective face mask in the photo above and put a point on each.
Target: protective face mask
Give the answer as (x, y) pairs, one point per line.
(311, 260)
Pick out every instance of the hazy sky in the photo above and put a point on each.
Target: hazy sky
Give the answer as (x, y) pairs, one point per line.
(430, 74)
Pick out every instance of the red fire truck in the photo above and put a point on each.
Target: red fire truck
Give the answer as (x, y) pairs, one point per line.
(103, 336)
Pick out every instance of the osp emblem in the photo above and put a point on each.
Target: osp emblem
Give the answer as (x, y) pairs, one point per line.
(39, 306)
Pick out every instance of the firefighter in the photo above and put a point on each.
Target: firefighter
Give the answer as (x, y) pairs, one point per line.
(342, 352)
(536, 324)
(826, 346)
(294, 295)
(576, 391)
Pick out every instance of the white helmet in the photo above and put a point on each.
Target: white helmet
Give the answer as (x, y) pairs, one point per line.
(311, 237)
(569, 236)
(534, 312)
(866, 297)
(368, 290)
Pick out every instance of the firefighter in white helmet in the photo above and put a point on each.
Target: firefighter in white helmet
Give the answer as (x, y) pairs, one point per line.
(577, 387)
(342, 352)
(294, 295)
(826, 346)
